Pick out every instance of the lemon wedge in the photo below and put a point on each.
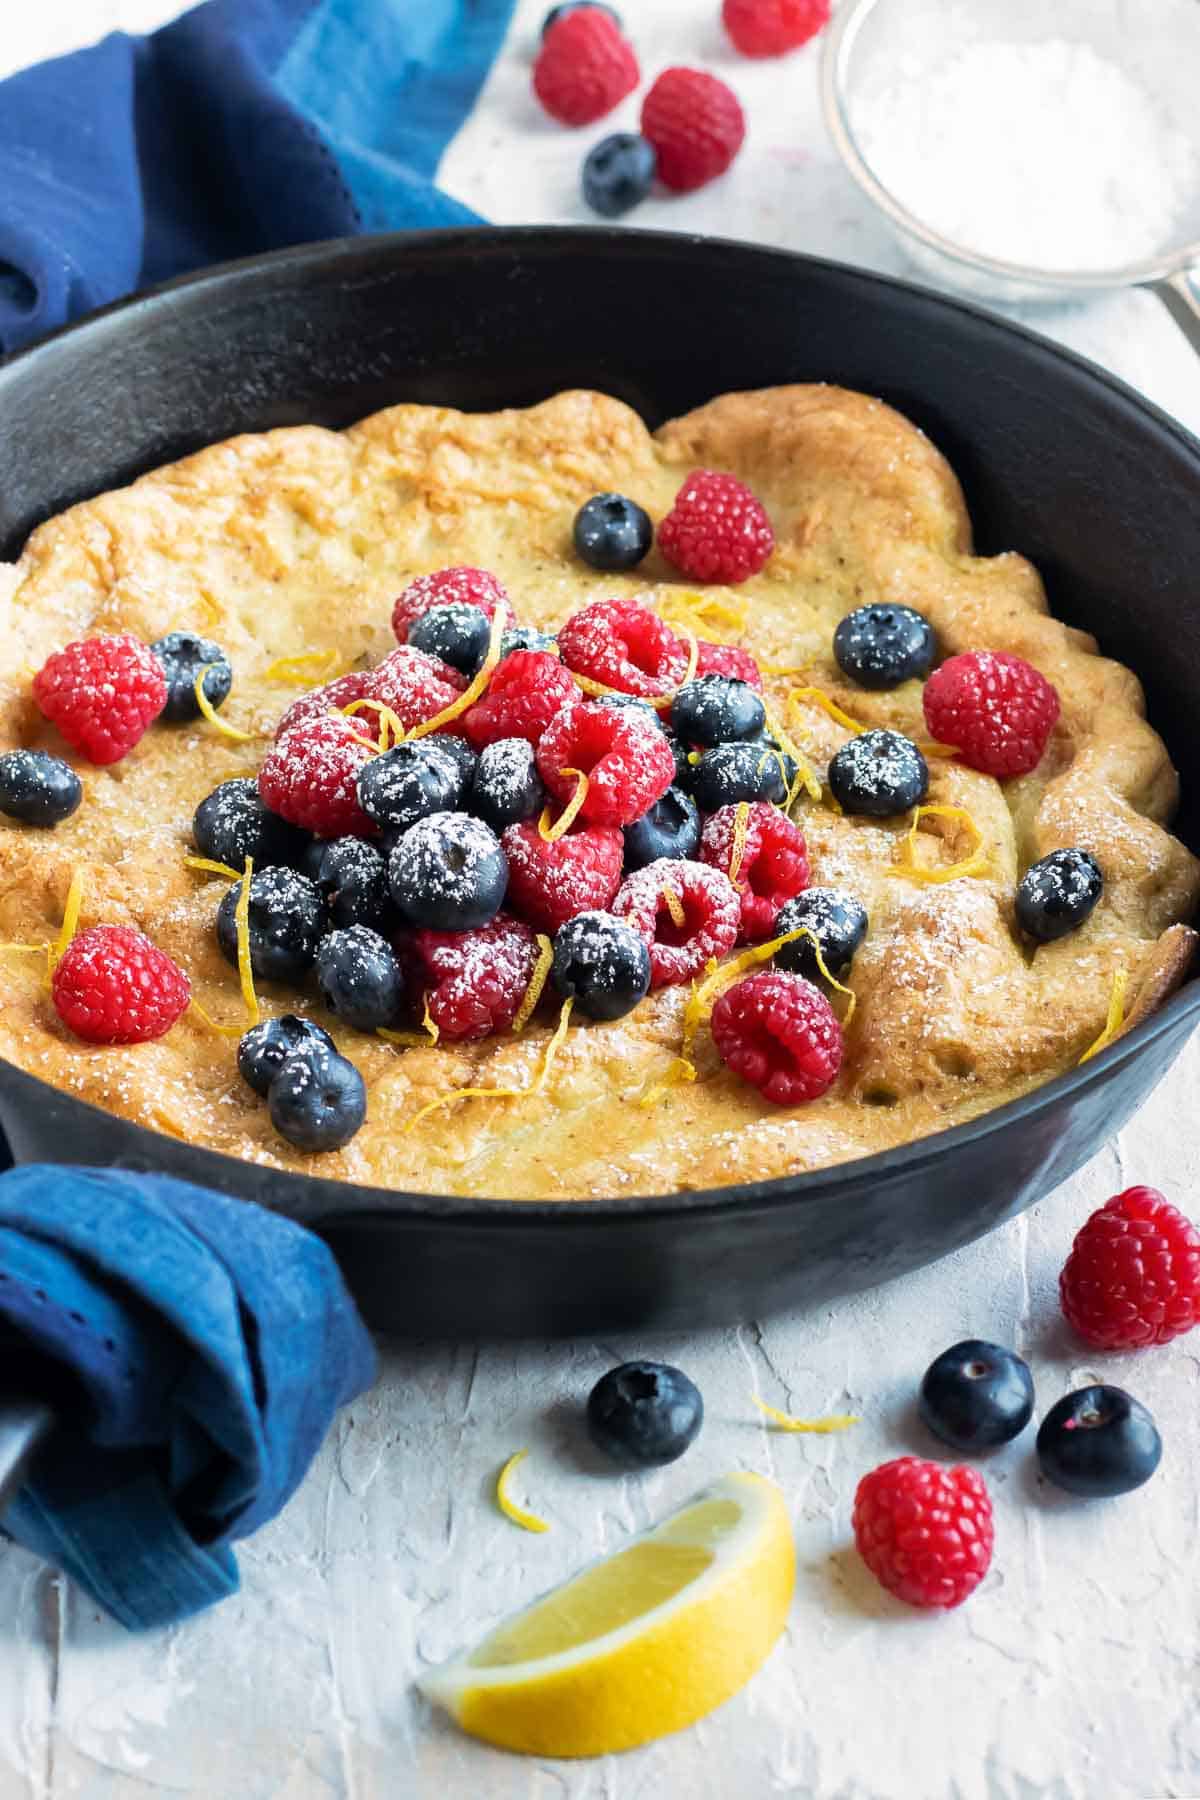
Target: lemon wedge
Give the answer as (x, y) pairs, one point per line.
(640, 1644)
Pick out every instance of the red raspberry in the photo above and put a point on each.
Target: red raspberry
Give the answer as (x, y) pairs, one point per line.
(308, 777)
(113, 986)
(472, 981)
(1133, 1275)
(997, 710)
(102, 693)
(525, 692)
(772, 868)
(711, 911)
(336, 694)
(623, 753)
(727, 659)
(624, 646)
(446, 587)
(415, 686)
(924, 1530)
(716, 530)
(779, 1033)
(773, 27)
(585, 67)
(549, 883)
(696, 125)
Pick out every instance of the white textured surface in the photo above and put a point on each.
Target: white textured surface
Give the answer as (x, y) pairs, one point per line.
(1071, 1675)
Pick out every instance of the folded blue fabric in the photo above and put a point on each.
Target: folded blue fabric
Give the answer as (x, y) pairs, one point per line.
(205, 1344)
(246, 125)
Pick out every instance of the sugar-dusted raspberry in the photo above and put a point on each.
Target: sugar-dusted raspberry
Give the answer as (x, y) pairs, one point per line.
(525, 692)
(309, 777)
(696, 125)
(728, 659)
(779, 1033)
(924, 1530)
(998, 710)
(716, 530)
(461, 586)
(113, 986)
(585, 67)
(415, 686)
(622, 751)
(624, 646)
(650, 898)
(773, 27)
(771, 865)
(549, 883)
(102, 693)
(1133, 1275)
(473, 982)
(336, 694)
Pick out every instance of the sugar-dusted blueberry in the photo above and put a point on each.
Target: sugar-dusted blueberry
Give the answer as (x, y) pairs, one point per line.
(1097, 1442)
(286, 919)
(670, 828)
(717, 709)
(265, 1048)
(232, 823)
(618, 173)
(569, 6)
(410, 782)
(318, 1100)
(1058, 893)
(612, 532)
(879, 774)
(644, 1414)
(602, 963)
(506, 787)
(352, 877)
(448, 873)
(836, 919)
(976, 1395)
(359, 977)
(461, 753)
(182, 655)
(737, 771)
(37, 788)
(457, 633)
(882, 645)
(526, 637)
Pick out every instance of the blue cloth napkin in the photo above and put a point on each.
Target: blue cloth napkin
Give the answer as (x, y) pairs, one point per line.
(205, 1345)
(246, 125)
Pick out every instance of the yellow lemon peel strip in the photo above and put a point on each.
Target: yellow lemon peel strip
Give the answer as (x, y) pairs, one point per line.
(210, 712)
(408, 1040)
(805, 774)
(392, 729)
(550, 833)
(70, 922)
(1115, 1019)
(930, 747)
(471, 694)
(468, 1093)
(308, 670)
(537, 981)
(236, 1031)
(427, 1024)
(241, 917)
(815, 696)
(674, 906)
(528, 1521)
(822, 1427)
(975, 863)
(703, 612)
(658, 701)
(208, 867)
(741, 825)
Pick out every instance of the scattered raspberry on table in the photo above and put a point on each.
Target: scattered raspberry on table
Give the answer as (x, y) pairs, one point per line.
(1133, 1275)
(998, 710)
(102, 693)
(585, 67)
(696, 125)
(924, 1530)
(716, 530)
(773, 27)
(113, 986)
(779, 1033)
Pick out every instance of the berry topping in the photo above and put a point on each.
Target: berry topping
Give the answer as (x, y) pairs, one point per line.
(318, 1100)
(738, 771)
(287, 918)
(1058, 893)
(232, 823)
(686, 912)
(1098, 1442)
(352, 878)
(717, 709)
(976, 1395)
(623, 646)
(526, 690)
(37, 788)
(414, 686)
(618, 173)
(456, 634)
(838, 922)
(1133, 1275)
(569, 6)
(881, 646)
(310, 777)
(113, 986)
(773, 27)
(585, 67)
(779, 1033)
(446, 587)
(359, 977)
(602, 963)
(765, 857)
(265, 1048)
(728, 659)
(527, 637)
(550, 883)
(610, 531)
(716, 530)
(696, 125)
(409, 783)
(506, 787)
(458, 748)
(181, 656)
(473, 982)
(924, 1530)
(878, 774)
(997, 710)
(448, 873)
(644, 1414)
(627, 761)
(102, 693)
(671, 829)
(343, 691)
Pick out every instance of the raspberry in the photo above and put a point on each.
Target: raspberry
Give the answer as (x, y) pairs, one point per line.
(696, 125)
(446, 587)
(623, 646)
(1133, 1275)
(549, 883)
(584, 68)
(416, 686)
(716, 530)
(924, 1530)
(779, 1033)
(525, 692)
(622, 751)
(711, 912)
(336, 694)
(773, 27)
(772, 867)
(308, 777)
(727, 659)
(113, 986)
(473, 982)
(102, 693)
(998, 711)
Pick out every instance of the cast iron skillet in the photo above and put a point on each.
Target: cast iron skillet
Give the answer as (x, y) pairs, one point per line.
(1058, 460)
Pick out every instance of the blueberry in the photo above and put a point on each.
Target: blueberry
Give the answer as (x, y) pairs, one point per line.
(717, 709)
(881, 646)
(318, 1100)
(359, 977)
(644, 1414)
(671, 828)
(612, 532)
(684, 770)
(879, 774)
(603, 963)
(1097, 1442)
(37, 788)
(836, 919)
(569, 6)
(182, 655)
(409, 783)
(232, 823)
(352, 877)
(526, 637)
(977, 1395)
(737, 771)
(266, 1047)
(507, 787)
(287, 917)
(618, 173)
(461, 752)
(448, 873)
(1057, 894)
(458, 633)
